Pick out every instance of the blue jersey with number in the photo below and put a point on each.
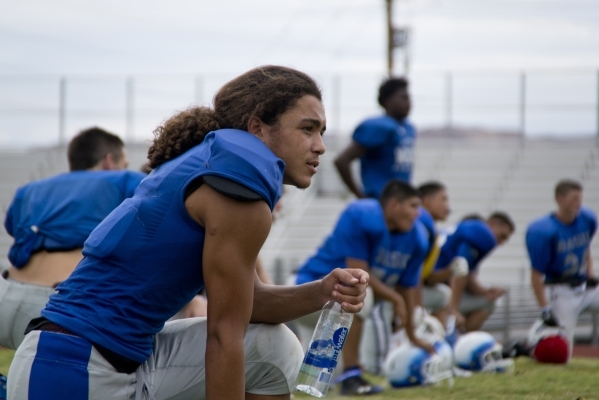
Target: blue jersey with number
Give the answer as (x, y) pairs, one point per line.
(390, 152)
(560, 251)
(143, 263)
(59, 213)
(362, 233)
(471, 239)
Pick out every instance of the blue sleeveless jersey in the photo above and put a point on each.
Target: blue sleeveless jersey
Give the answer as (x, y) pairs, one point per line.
(390, 152)
(59, 213)
(362, 233)
(560, 251)
(143, 263)
(471, 239)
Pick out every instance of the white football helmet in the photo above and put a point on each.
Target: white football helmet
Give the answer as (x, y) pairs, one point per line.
(479, 351)
(426, 326)
(409, 365)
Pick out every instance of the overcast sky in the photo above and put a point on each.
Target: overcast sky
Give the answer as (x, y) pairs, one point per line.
(122, 37)
(182, 36)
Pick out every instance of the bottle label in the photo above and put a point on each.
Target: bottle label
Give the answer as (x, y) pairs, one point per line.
(338, 340)
(324, 353)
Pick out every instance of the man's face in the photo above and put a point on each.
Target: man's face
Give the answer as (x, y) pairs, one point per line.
(437, 205)
(502, 232)
(399, 104)
(297, 140)
(569, 204)
(403, 214)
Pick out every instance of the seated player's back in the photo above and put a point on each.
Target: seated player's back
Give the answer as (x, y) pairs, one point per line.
(50, 219)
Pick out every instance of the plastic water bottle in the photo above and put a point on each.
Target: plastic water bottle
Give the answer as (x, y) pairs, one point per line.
(324, 350)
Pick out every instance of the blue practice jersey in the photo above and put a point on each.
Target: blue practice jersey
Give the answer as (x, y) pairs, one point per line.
(560, 251)
(390, 152)
(143, 263)
(361, 233)
(471, 239)
(59, 213)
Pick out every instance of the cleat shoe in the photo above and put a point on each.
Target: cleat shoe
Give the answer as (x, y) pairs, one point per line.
(515, 348)
(357, 385)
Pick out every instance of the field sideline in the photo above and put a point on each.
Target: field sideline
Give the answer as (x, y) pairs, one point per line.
(577, 381)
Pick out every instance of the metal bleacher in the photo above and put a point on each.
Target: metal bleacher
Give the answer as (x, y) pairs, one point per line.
(482, 174)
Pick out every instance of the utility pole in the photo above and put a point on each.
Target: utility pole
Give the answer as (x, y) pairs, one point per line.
(397, 38)
(390, 41)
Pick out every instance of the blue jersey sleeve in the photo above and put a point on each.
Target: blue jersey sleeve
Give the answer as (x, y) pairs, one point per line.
(10, 219)
(590, 215)
(371, 134)
(540, 246)
(351, 238)
(469, 253)
(411, 276)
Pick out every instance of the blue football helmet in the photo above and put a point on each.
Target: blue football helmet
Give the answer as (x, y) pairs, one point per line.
(480, 352)
(409, 365)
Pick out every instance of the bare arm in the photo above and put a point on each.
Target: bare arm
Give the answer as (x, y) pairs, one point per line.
(491, 293)
(277, 304)
(418, 294)
(409, 295)
(474, 286)
(235, 232)
(458, 285)
(590, 270)
(343, 163)
(262, 275)
(380, 289)
(440, 276)
(538, 287)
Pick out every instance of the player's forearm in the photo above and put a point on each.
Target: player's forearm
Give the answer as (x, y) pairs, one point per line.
(458, 285)
(475, 287)
(344, 169)
(408, 295)
(278, 304)
(538, 287)
(440, 276)
(225, 376)
(590, 270)
(418, 295)
(384, 292)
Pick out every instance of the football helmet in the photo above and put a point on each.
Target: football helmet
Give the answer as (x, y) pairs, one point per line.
(548, 343)
(409, 365)
(480, 352)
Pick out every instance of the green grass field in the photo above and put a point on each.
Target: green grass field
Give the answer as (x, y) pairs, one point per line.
(576, 381)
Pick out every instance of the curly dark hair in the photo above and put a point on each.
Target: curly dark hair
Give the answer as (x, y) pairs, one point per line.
(265, 92)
